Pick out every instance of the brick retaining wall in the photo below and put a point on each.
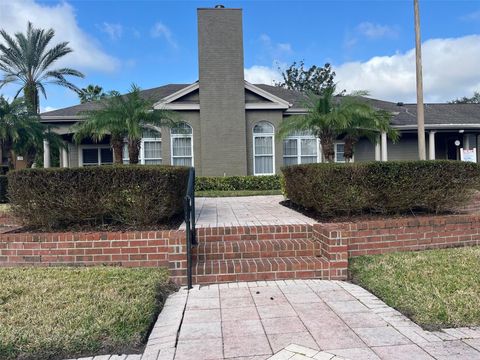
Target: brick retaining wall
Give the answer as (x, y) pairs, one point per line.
(132, 249)
(244, 252)
(341, 241)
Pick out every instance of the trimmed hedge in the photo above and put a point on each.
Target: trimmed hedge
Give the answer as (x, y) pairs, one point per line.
(119, 195)
(3, 189)
(233, 183)
(381, 187)
(4, 169)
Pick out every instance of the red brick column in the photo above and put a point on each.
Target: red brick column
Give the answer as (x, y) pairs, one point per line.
(333, 247)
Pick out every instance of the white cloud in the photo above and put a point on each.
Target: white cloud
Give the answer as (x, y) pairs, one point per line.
(450, 70)
(262, 75)
(376, 31)
(160, 30)
(61, 17)
(474, 16)
(47, 108)
(275, 50)
(114, 31)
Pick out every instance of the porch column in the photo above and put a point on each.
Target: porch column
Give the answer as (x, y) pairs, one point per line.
(64, 157)
(431, 145)
(378, 150)
(46, 154)
(384, 153)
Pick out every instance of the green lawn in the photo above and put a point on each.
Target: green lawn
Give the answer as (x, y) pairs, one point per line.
(435, 288)
(59, 313)
(218, 193)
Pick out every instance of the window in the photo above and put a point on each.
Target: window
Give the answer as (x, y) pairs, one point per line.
(339, 152)
(263, 149)
(150, 148)
(300, 148)
(92, 156)
(182, 145)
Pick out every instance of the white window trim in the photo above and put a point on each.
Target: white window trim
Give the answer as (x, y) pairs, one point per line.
(299, 155)
(142, 149)
(141, 155)
(176, 136)
(335, 156)
(98, 147)
(263, 135)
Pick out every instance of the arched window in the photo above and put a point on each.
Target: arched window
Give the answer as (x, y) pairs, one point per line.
(150, 148)
(263, 149)
(301, 147)
(182, 145)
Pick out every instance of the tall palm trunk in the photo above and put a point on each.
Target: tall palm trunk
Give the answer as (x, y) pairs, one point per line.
(117, 146)
(7, 145)
(31, 98)
(134, 150)
(328, 147)
(350, 142)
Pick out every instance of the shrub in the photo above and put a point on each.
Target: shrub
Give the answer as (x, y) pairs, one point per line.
(3, 189)
(4, 169)
(126, 195)
(381, 187)
(232, 183)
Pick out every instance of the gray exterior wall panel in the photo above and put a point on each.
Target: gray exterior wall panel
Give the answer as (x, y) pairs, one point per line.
(222, 94)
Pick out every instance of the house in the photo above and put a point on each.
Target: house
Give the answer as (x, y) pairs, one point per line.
(229, 125)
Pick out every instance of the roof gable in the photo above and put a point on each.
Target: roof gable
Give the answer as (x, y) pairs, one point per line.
(185, 99)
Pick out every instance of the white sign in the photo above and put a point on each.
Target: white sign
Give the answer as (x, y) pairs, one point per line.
(469, 155)
(19, 158)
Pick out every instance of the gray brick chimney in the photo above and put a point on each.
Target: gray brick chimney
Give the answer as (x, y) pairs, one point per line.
(222, 94)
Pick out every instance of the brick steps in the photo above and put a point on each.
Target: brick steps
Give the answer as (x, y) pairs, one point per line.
(221, 250)
(275, 268)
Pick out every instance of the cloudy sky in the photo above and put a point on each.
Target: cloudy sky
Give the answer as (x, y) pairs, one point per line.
(369, 43)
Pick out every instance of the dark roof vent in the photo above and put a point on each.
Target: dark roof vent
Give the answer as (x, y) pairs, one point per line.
(219, 6)
(400, 103)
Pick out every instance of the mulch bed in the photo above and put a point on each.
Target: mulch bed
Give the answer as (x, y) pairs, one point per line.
(173, 224)
(367, 216)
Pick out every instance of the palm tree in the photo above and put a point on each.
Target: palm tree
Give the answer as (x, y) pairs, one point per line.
(19, 130)
(25, 60)
(123, 116)
(330, 117)
(326, 118)
(91, 93)
(365, 122)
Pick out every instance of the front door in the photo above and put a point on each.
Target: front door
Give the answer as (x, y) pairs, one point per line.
(453, 150)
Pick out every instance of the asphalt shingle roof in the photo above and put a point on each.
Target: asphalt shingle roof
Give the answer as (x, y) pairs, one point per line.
(155, 94)
(405, 114)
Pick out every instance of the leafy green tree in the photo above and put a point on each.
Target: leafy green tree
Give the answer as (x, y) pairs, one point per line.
(329, 117)
(314, 80)
(475, 99)
(25, 59)
(91, 93)
(22, 132)
(123, 116)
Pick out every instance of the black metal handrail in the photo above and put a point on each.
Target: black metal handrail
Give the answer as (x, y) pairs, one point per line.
(189, 207)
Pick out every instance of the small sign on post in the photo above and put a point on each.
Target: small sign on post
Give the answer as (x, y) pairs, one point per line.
(469, 155)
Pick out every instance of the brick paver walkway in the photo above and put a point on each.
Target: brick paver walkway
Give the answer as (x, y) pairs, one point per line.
(246, 211)
(332, 319)
(294, 320)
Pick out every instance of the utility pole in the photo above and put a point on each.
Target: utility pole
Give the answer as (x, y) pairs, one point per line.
(419, 78)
